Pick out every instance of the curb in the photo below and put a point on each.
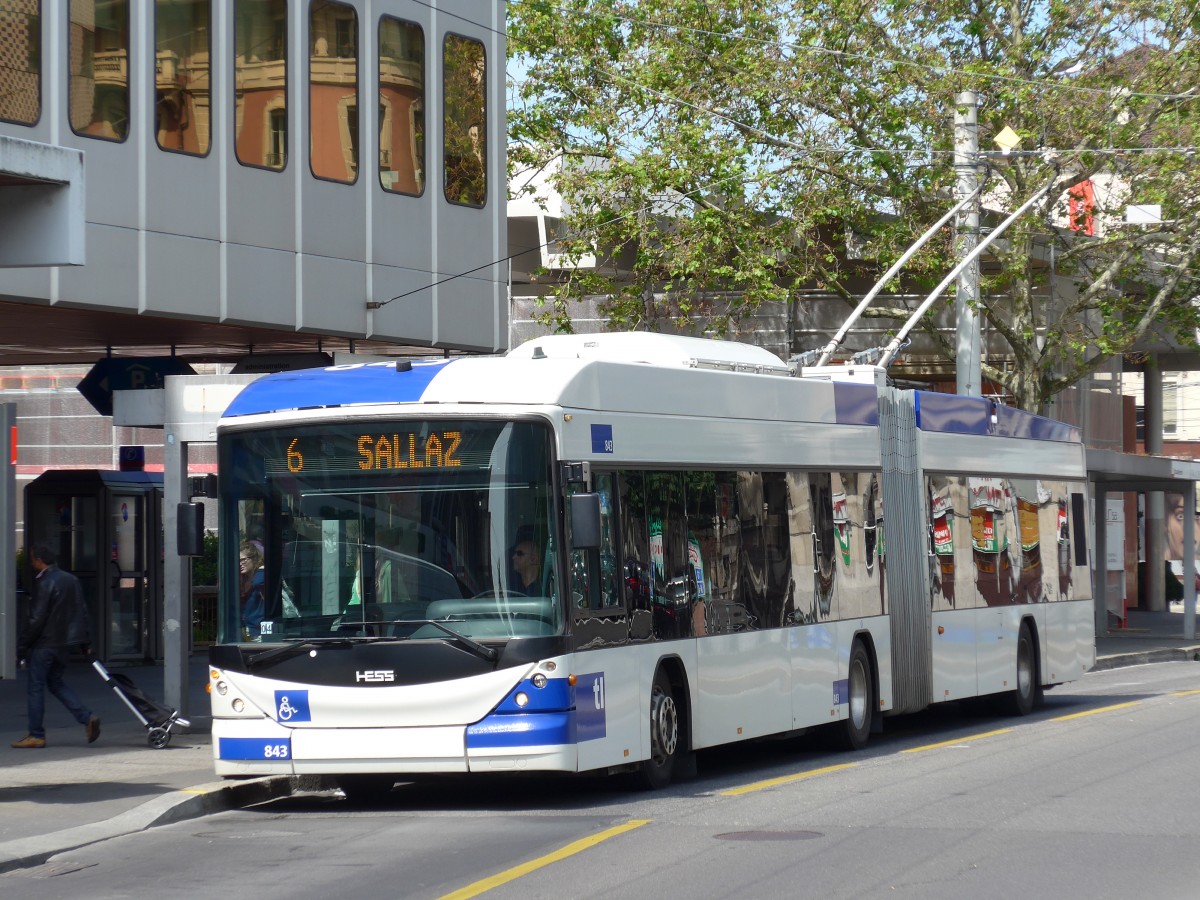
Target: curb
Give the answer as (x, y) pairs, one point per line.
(176, 806)
(1144, 657)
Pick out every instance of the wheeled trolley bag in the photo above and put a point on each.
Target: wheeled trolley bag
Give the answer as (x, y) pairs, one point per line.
(159, 720)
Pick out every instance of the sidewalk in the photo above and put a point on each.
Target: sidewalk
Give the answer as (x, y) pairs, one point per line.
(72, 793)
(1146, 637)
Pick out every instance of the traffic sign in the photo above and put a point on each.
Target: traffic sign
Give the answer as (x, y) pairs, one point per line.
(127, 373)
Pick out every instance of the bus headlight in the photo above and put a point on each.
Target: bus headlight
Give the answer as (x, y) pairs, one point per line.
(222, 688)
(521, 699)
(539, 680)
(238, 704)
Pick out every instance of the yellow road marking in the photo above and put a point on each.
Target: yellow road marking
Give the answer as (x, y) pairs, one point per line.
(486, 884)
(785, 779)
(1092, 712)
(1185, 693)
(961, 740)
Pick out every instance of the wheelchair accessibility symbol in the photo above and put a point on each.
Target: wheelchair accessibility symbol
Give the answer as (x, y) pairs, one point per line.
(292, 706)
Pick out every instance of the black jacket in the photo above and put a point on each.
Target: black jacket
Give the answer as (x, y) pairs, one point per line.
(59, 616)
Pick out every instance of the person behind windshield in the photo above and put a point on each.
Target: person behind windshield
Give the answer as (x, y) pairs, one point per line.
(250, 588)
(527, 566)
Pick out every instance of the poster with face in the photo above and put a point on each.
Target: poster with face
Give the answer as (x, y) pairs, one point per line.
(1173, 545)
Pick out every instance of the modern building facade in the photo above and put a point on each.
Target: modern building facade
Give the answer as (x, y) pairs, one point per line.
(230, 176)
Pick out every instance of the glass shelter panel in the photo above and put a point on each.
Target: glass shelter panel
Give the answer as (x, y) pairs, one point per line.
(127, 573)
(379, 530)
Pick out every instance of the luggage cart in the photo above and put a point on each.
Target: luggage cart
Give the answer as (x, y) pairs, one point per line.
(159, 720)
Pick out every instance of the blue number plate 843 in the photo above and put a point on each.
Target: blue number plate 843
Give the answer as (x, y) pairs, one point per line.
(251, 749)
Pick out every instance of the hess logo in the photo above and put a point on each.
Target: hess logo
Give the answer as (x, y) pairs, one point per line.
(375, 676)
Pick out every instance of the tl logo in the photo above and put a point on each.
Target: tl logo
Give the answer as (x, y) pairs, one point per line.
(598, 692)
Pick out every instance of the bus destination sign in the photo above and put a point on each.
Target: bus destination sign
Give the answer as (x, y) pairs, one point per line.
(377, 452)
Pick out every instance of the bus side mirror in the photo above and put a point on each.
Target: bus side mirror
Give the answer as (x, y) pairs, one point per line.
(585, 521)
(189, 529)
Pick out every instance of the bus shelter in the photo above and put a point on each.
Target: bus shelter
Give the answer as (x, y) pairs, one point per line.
(106, 528)
(1112, 473)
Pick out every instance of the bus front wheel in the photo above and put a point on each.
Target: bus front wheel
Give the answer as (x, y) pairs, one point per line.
(664, 735)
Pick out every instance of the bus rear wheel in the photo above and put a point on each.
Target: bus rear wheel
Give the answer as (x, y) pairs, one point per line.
(855, 731)
(664, 735)
(1020, 700)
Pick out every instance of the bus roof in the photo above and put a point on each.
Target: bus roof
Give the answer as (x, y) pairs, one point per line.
(633, 372)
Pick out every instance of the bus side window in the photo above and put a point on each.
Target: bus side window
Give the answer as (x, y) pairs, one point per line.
(594, 572)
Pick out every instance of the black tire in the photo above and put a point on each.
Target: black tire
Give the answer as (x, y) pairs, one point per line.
(1021, 699)
(655, 773)
(364, 790)
(158, 738)
(855, 731)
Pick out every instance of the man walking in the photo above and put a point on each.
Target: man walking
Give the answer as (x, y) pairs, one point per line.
(57, 621)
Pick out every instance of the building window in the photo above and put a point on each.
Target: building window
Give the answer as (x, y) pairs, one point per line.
(99, 68)
(464, 121)
(182, 82)
(401, 106)
(1170, 408)
(333, 91)
(260, 82)
(20, 61)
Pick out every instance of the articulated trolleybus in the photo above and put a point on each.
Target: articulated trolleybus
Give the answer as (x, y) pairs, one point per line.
(604, 552)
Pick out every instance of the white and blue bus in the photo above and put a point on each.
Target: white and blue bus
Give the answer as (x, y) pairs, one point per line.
(605, 552)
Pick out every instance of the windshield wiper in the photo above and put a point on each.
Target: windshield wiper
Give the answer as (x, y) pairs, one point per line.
(488, 653)
(301, 644)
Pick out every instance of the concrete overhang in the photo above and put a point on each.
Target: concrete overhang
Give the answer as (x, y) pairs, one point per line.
(1134, 472)
(42, 204)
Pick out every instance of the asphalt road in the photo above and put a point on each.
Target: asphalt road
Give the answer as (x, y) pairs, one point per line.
(1094, 796)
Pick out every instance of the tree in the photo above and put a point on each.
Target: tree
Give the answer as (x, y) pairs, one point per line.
(738, 143)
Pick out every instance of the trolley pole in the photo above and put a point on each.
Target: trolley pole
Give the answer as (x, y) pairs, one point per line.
(966, 166)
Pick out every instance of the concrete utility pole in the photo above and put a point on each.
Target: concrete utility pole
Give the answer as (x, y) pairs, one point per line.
(966, 165)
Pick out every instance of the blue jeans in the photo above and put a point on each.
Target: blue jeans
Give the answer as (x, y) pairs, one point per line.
(46, 671)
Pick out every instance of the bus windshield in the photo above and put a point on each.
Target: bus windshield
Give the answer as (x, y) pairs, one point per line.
(379, 529)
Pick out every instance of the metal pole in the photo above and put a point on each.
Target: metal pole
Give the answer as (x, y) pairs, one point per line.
(1100, 562)
(177, 578)
(9, 626)
(966, 301)
(1189, 561)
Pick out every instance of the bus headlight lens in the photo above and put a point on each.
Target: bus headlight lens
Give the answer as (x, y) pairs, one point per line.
(238, 704)
(539, 680)
(222, 688)
(521, 699)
